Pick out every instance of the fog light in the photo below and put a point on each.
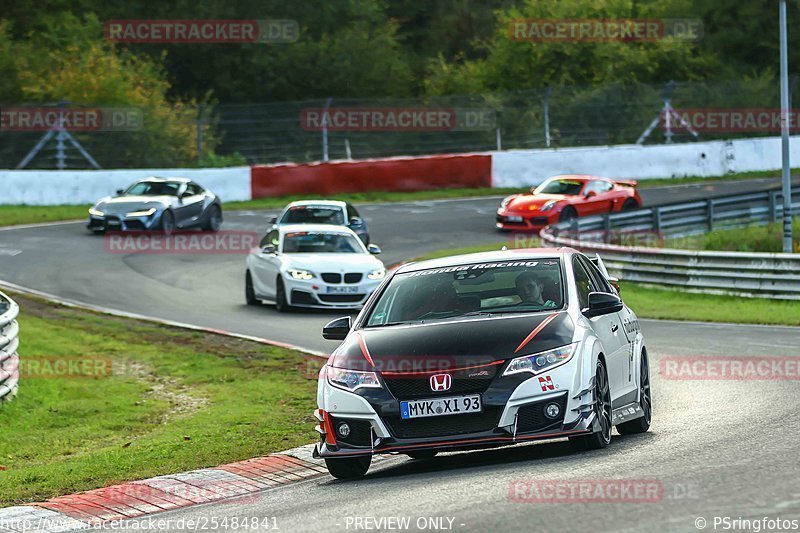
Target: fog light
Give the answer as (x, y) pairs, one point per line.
(343, 430)
(552, 410)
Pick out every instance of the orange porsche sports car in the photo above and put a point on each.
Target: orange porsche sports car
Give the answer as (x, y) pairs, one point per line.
(562, 198)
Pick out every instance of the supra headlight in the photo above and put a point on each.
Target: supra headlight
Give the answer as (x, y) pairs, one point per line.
(539, 362)
(377, 274)
(548, 206)
(142, 213)
(352, 379)
(96, 212)
(301, 274)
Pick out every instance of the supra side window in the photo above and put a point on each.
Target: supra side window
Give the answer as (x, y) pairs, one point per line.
(583, 282)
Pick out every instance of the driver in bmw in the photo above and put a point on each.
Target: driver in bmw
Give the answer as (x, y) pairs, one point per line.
(530, 288)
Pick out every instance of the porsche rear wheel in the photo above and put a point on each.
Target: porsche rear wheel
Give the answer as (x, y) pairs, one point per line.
(630, 204)
(349, 467)
(602, 411)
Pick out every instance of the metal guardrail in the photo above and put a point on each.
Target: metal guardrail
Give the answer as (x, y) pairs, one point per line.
(764, 275)
(9, 342)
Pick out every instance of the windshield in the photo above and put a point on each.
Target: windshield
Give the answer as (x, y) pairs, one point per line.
(315, 243)
(567, 187)
(306, 214)
(485, 288)
(153, 188)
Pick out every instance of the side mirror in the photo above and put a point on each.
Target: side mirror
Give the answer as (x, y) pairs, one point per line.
(356, 221)
(269, 249)
(120, 192)
(273, 220)
(602, 303)
(373, 249)
(337, 330)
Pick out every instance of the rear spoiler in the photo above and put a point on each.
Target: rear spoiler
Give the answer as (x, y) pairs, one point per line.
(627, 183)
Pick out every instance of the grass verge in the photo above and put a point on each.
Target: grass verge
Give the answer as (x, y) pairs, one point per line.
(32, 214)
(767, 238)
(674, 304)
(176, 400)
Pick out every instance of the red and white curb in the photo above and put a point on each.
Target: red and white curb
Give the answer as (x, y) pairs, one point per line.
(136, 499)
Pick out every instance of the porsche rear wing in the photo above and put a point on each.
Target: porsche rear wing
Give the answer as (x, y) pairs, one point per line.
(627, 183)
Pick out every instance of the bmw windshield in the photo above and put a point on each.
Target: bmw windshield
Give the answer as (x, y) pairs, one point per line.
(470, 290)
(313, 215)
(306, 242)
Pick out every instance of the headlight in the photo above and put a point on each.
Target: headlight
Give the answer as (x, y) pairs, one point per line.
(144, 213)
(548, 206)
(506, 201)
(352, 379)
(301, 274)
(377, 274)
(95, 213)
(539, 362)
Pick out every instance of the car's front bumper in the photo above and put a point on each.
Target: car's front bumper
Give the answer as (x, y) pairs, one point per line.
(316, 293)
(121, 222)
(512, 412)
(528, 221)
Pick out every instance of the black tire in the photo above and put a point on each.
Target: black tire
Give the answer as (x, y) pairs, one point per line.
(281, 303)
(567, 214)
(249, 291)
(602, 409)
(349, 467)
(630, 204)
(641, 424)
(214, 219)
(167, 222)
(423, 454)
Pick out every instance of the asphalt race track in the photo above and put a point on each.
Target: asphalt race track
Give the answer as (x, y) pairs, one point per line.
(717, 447)
(208, 290)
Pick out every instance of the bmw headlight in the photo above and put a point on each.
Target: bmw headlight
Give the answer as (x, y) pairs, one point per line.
(301, 274)
(377, 274)
(548, 206)
(352, 379)
(142, 213)
(96, 213)
(541, 361)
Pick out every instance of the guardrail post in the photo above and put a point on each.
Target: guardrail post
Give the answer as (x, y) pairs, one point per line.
(657, 220)
(710, 209)
(773, 206)
(607, 228)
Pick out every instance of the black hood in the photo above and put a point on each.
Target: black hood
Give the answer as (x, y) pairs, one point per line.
(449, 345)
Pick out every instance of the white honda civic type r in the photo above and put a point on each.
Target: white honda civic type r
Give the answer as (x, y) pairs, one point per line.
(312, 265)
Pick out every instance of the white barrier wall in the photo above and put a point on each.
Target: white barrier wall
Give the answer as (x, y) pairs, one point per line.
(54, 187)
(519, 168)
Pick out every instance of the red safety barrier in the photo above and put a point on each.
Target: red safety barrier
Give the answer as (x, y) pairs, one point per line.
(396, 174)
